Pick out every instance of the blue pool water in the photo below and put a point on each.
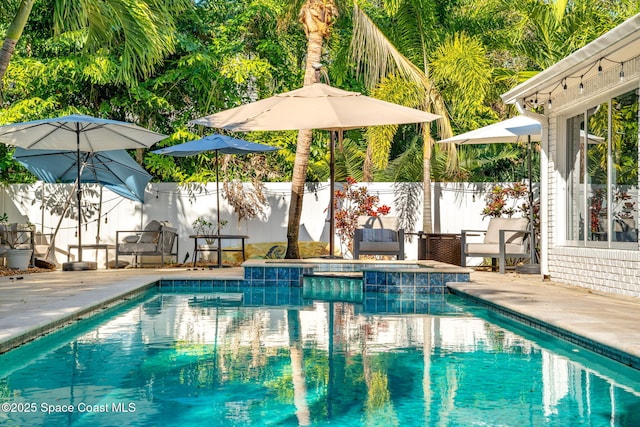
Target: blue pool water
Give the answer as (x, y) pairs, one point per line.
(178, 359)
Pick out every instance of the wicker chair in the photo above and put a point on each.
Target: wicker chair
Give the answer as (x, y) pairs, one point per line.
(378, 235)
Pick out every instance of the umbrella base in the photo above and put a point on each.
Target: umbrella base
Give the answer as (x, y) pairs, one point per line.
(528, 269)
(79, 266)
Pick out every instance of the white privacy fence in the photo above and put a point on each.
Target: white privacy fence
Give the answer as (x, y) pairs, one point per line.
(455, 206)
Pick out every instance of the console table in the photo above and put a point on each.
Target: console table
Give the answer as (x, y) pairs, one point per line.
(217, 245)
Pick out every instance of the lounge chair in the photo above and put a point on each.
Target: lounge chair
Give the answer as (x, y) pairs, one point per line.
(378, 235)
(158, 238)
(504, 238)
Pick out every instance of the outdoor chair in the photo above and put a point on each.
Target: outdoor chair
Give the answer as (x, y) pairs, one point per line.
(504, 238)
(45, 249)
(378, 235)
(158, 238)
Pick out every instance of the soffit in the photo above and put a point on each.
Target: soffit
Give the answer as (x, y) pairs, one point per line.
(617, 50)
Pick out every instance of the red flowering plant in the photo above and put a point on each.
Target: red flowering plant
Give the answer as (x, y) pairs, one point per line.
(350, 203)
(506, 201)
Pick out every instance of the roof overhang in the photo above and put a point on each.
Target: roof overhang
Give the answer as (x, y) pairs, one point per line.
(609, 52)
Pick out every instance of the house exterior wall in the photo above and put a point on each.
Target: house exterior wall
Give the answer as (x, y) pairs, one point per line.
(603, 270)
(612, 270)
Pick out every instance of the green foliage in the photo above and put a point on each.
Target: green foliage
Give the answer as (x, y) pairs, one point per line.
(466, 92)
(162, 64)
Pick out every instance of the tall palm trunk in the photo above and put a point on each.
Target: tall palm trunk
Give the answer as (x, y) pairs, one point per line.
(13, 35)
(427, 223)
(317, 17)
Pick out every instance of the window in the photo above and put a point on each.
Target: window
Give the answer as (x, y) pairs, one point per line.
(602, 153)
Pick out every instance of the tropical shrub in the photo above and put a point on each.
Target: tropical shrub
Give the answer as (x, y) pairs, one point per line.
(350, 203)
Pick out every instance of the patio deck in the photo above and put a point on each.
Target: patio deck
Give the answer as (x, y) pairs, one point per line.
(29, 305)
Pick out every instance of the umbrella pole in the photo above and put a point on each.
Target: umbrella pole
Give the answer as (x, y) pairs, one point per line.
(217, 197)
(532, 260)
(51, 247)
(79, 193)
(332, 173)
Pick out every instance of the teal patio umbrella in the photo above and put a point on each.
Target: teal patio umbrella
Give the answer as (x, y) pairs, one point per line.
(218, 144)
(79, 133)
(115, 169)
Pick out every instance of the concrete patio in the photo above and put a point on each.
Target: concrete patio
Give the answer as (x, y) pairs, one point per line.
(31, 305)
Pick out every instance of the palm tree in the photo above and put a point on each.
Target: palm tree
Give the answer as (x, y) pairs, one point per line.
(380, 58)
(317, 18)
(147, 27)
(13, 34)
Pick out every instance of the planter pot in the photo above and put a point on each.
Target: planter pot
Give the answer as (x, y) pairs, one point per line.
(208, 252)
(18, 259)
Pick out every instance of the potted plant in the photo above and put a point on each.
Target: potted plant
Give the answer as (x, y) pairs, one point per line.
(16, 243)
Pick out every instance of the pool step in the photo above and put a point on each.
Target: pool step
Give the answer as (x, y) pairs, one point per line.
(333, 287)
(336, 274)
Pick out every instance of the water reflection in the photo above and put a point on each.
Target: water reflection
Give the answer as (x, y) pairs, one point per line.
(187, 359)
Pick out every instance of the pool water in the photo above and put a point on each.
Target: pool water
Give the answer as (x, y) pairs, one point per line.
(179, 359)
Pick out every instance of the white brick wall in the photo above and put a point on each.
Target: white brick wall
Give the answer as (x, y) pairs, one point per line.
(604, 270)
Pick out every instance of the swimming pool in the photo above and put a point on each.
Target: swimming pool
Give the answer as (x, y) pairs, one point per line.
(176, 359)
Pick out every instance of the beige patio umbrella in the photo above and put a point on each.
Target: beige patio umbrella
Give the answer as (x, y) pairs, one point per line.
(315, 106)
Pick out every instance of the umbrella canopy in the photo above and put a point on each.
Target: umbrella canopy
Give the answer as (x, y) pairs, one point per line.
(80, 133)
(114, 169)
(219, 144)
(501, 132)
(315, 106)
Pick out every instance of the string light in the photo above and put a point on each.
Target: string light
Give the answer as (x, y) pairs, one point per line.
(596, 65)
(600, 67)
(581, 86)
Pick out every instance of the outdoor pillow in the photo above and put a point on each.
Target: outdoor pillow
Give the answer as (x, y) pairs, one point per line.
(378, 235)
(497, 224)
(149, 236)
(133, 238)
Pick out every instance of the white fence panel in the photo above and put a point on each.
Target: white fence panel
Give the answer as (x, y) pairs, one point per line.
(455, 206)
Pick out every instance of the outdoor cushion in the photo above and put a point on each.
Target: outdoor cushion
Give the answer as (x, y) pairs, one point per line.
(137, 247)
(378, 246)
(133, 238)
(379, 235)
(497, 224)
(151, 232)
(492, 248)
